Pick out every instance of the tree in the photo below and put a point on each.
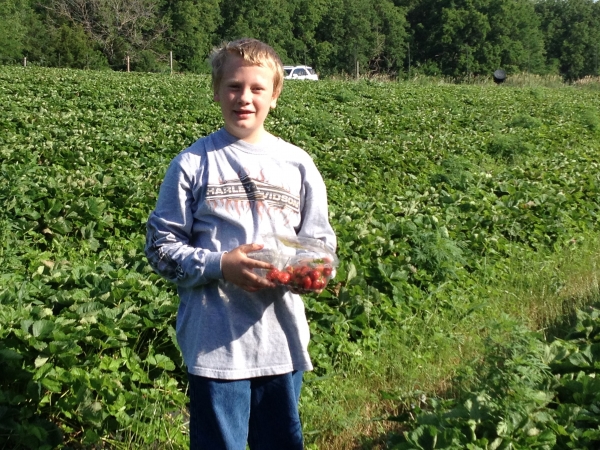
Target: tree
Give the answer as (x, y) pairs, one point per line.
(119, 27)
(13, 14)
(192, 31)
(390, 54)
(464, 37)
(267, 20)
(72, 48)
(572, 35)
(516, 37)
(458, 37)
(348, 35)
(305, 17)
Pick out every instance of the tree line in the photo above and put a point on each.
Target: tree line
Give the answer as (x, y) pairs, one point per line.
(454, 38)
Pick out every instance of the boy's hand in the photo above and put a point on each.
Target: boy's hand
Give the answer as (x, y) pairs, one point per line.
(237, 268)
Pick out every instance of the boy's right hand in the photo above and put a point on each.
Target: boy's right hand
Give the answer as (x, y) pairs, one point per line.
(238, 268)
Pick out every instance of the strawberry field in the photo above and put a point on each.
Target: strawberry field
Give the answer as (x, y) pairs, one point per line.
(434, 191)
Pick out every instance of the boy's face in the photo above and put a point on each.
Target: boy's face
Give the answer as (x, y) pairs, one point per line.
(246, 96)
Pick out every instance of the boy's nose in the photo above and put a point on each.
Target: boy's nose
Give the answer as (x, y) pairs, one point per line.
(245, 96)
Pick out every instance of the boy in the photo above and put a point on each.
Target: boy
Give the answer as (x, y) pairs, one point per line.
(244, 340)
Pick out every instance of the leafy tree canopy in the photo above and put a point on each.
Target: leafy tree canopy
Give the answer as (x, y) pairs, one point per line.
(435, 37)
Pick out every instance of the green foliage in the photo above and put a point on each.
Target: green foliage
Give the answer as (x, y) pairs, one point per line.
(508, 146)
(119, 30)
(13, 29)
(421, 208)
(527, 394)
(441, 38)
(193, 24)
(267, 20)
(572, 34)
(71, 47)
(515, 41)
(476, 37)
(358, 31)
(590, 118)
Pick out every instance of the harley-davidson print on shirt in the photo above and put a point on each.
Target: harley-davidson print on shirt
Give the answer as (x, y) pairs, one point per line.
(249, 189)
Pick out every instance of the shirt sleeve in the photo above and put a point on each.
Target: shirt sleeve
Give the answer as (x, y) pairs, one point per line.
(169, 231)
(314, 209)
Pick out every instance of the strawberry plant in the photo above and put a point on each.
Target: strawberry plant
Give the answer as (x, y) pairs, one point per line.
(431, 190)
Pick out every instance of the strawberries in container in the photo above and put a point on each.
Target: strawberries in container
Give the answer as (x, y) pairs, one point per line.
(301, 264)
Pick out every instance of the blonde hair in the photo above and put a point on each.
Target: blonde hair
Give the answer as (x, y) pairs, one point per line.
(252, 51)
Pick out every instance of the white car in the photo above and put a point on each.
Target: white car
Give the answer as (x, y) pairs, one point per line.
(300, 73)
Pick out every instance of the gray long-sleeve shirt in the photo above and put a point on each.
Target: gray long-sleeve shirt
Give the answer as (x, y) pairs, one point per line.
(220, 193)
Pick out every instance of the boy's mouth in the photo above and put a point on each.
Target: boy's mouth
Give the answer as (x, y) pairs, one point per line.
(243, 112)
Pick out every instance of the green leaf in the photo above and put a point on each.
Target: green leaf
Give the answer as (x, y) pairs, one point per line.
(91, 437)
(351, 272)
(51, 384)
(42, 328)
(547, 437)
(495, 444)
(61, 226)
(579, 360)
(8, 354)
(40, 361)
(161, 361)
(89, 307)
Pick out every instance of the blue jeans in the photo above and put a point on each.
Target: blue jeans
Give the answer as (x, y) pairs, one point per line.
(261, 411)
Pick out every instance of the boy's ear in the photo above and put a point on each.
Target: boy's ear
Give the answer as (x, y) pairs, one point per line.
(216, 97)
(274, 99)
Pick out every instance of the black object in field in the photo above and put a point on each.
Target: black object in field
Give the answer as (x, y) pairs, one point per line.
(499, 76)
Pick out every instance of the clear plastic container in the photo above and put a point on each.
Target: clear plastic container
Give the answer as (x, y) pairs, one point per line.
(301, 264)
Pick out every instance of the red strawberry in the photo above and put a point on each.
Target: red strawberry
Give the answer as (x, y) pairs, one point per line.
(302, 270)
(314, 274)
(318, 284)
(284, 277)
(306, 283)
(272, 275)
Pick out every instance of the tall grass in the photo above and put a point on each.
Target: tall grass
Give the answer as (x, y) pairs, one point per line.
(545, 291)
(523, 79)
(588, 82)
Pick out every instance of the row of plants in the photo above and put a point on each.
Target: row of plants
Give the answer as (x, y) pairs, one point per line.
(431, 188)
(531, 394)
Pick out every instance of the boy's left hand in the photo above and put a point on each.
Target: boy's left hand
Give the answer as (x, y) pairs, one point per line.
(238, 268)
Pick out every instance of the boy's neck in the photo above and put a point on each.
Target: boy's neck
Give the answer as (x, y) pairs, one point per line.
(253, 138)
